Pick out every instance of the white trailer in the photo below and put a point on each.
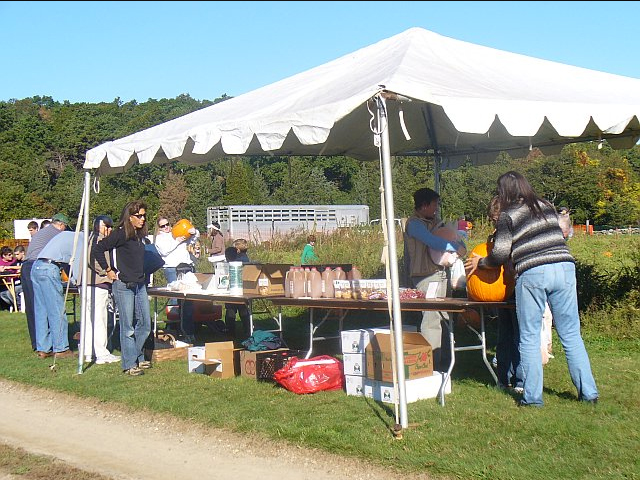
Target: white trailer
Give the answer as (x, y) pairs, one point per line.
(259, 223)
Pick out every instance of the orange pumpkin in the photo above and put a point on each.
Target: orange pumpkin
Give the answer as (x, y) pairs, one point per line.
(489, 285)
(181, 228)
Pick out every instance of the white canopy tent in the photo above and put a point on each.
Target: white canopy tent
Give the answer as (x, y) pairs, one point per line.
(414, 93)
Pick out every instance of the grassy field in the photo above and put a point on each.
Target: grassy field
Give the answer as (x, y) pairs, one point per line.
(479, 433)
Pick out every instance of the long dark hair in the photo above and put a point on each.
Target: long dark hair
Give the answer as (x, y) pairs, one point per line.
(514, 189)
(129, 230)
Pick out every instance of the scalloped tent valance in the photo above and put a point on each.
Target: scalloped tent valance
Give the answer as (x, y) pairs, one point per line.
(466, 101)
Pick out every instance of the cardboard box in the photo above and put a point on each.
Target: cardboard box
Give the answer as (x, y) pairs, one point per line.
(219, 360)
(274, 272)
(358, 386)
(261, 365)
(417, 389)
(354, 364)
(355, 341)
(195, 359)
(418, 358)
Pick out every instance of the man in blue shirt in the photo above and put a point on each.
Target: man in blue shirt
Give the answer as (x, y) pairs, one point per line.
(52, 328)
(38, 241)
(424, 274)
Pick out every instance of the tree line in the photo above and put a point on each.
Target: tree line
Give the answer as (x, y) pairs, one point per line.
(43, 144)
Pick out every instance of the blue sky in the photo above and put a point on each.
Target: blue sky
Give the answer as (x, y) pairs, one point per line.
(98, 51)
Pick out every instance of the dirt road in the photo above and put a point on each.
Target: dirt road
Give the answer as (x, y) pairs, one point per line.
(128, 445)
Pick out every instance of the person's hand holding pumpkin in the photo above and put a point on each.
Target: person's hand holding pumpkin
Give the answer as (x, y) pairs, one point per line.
(471, 264)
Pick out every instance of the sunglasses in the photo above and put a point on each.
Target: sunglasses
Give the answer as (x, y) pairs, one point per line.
(164, 225)
(139, 215)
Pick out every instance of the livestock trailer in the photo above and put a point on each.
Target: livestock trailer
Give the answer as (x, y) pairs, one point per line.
(260, 223)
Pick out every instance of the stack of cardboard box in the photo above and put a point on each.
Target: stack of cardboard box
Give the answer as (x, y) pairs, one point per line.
(367, 359)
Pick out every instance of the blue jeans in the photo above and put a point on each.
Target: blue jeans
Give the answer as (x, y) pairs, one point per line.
(554, 283)
(507, 353)
(29, 307)
(171, 275)
(135, 321)
(5, 296)
(52, 328)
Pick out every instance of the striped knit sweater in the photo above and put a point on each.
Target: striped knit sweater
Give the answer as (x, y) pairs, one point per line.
(530, 241)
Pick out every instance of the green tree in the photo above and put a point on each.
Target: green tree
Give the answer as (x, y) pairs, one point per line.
(238, 183)
(172, 198)
(205, 188)
(306, 185)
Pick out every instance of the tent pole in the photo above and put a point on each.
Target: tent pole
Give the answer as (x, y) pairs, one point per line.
(437, 170)
(392, 258)
(84, 269)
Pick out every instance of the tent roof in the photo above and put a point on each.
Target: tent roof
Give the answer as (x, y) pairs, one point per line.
(463, 100)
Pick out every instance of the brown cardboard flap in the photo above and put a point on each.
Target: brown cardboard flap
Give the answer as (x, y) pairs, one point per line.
(219, 359)
(417, 354)
(250, 273)
(216, 349)
(382, 341)
(276, 271)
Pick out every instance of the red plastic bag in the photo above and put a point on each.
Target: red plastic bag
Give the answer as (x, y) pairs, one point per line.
(311, 375)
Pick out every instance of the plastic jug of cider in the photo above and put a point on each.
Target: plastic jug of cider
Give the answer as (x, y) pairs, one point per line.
(298, 284)
(354, 274)
(288, 278)
(327, 283)
(314, 283)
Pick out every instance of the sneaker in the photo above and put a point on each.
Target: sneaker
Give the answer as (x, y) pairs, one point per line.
(110, 358)
(518, 390)
(144, 364)
(133, 372)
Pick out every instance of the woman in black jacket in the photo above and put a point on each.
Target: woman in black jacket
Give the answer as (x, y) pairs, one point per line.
(129, 283)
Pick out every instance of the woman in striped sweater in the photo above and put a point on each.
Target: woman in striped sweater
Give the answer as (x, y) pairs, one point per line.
(528, 232)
